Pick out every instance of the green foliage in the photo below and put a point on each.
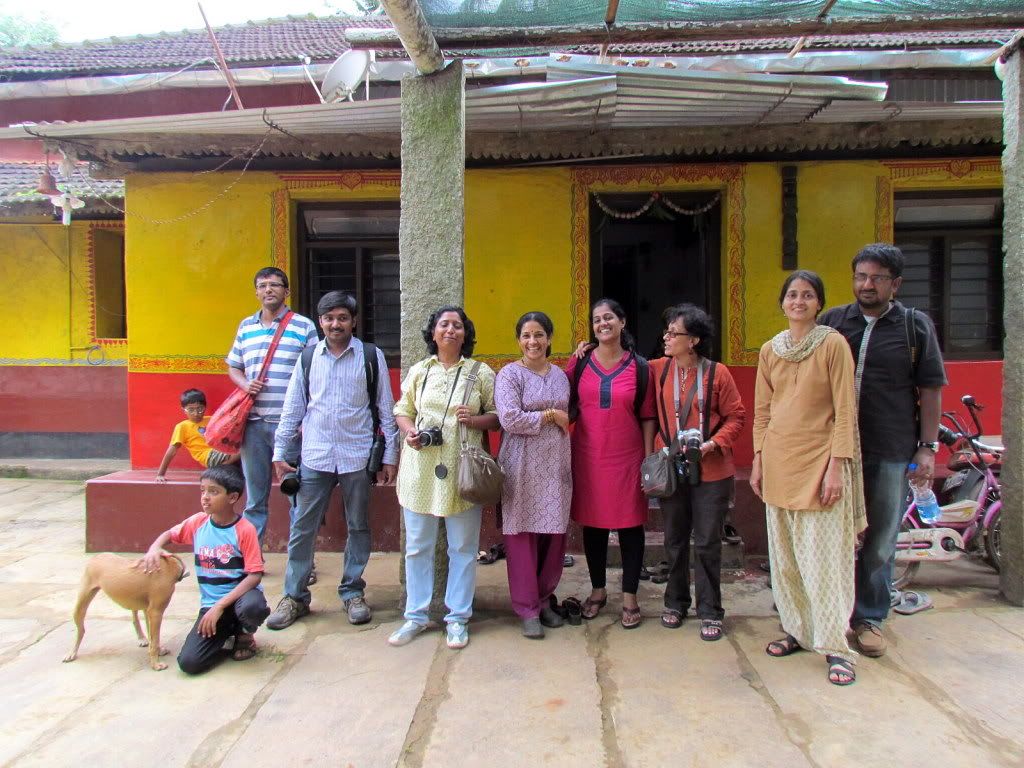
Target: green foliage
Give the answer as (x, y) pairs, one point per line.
(16, 31)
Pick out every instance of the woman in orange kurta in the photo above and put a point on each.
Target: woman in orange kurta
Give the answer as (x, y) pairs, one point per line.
(806, 469)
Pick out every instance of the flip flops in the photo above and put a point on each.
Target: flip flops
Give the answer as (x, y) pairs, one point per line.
(245, 648)
(912, 602)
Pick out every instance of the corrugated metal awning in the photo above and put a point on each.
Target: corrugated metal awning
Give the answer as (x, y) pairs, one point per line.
(579, 97)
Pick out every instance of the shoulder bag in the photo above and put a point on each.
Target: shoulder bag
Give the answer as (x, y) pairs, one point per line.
(479, 477)
(226, 427)
(658, 476)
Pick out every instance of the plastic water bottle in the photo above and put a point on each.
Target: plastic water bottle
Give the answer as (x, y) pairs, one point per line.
(924, 498)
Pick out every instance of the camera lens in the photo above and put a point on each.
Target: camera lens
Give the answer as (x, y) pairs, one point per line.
(290, 484)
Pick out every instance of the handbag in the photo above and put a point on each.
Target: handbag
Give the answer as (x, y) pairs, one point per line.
(658, 476)
(479, 479)
(226, 427)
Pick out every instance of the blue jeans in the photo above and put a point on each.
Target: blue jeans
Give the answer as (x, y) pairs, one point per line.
(885, 490)
(314, 493)
(257, 466)
(463, 532)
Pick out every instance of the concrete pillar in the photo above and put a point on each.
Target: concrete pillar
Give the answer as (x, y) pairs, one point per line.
(431, 233)
(1011, 577)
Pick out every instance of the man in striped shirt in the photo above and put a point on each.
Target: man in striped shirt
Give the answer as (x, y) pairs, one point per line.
(334, 411)
(244, 363)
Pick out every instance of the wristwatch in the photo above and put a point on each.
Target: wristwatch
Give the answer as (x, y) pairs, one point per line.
(933, 446)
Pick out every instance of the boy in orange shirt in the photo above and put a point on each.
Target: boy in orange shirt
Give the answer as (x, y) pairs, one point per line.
(190, 433)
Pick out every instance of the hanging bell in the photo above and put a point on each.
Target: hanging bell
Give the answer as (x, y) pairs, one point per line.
(47, 184)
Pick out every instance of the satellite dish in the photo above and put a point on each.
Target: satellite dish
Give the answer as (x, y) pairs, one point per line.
(345, 75)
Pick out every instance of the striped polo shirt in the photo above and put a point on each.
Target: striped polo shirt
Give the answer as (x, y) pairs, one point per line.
(251, 344)
(224, 554)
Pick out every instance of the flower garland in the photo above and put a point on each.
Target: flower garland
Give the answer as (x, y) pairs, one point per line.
(657, 197)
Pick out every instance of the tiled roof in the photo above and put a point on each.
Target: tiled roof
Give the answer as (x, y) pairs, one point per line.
(252, 43)
(18, 182)
(284, 41)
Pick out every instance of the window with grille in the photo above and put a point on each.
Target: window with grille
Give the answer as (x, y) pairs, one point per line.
(354, 249)
(953, 249)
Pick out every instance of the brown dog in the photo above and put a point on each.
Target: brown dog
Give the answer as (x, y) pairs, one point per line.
(131, 587)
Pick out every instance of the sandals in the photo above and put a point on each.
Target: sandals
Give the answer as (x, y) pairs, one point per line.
(671, 618)
(245, 648)
(631, 617)
(711, 630)
(592, 607)
(492, 555)
(840, 671)
(784, 647)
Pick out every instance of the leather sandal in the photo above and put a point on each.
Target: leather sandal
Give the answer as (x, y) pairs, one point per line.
(711, 630)
(838, 669)
(245, 648)
(631, 617)
(784, 647)
(592, 607)
(672, 618)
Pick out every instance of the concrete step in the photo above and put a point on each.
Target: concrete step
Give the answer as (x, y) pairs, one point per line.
(60, 469)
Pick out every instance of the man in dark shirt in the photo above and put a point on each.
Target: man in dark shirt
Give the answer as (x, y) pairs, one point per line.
(899, 382)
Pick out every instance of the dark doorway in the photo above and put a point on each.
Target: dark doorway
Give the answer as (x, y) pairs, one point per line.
(659, 258)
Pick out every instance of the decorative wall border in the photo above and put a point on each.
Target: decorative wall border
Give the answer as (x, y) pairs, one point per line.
(176, 364)
(369, 183)
(726, 178)
(905, 175)
(91, 261)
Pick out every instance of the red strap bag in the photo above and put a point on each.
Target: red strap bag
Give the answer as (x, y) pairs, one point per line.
(226, 427)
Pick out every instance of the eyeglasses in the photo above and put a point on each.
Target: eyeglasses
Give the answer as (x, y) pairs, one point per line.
(860, 277)
(268, 286)
(675, 334)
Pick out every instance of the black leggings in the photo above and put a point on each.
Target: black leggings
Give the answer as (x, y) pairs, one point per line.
(631, 545)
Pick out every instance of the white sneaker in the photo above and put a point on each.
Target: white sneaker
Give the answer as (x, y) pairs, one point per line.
(405, 633)
(458, 635)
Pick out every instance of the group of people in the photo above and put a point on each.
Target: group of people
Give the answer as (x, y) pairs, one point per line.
(822, 478)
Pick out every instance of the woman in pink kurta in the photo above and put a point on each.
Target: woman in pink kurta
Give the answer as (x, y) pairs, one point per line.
(614, 431)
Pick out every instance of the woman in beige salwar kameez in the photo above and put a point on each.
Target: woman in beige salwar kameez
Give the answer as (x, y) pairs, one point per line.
(807, 470)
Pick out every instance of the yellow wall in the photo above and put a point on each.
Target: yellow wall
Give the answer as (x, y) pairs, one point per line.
(41, 295)
(517, 254)
(194, 242)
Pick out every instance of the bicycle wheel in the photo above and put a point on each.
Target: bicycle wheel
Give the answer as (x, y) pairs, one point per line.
(992, 542)
(903, 573)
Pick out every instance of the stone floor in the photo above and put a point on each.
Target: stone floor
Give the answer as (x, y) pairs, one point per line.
(326, 693)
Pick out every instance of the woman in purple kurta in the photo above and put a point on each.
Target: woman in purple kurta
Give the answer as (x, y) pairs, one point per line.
(532, 397)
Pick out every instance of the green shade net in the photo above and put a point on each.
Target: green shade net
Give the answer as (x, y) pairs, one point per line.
(542, 13)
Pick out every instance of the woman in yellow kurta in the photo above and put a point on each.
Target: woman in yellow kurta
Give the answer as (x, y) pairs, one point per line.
(431, 407)
(807, 471)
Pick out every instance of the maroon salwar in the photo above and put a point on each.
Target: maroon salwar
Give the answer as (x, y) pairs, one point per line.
(534, 562)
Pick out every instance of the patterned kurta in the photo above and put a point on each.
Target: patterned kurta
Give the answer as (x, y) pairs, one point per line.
(419, 489)
(535, 457)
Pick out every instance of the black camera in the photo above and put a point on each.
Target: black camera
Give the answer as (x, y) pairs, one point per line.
(430, 436)
(689, 456)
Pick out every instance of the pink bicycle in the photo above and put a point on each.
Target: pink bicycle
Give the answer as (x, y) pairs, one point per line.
(970, 502)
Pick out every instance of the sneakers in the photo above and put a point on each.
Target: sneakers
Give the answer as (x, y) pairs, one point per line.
(358, 611)
(288, 611)
(405, 633)
(870, 640)
(458, 635)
